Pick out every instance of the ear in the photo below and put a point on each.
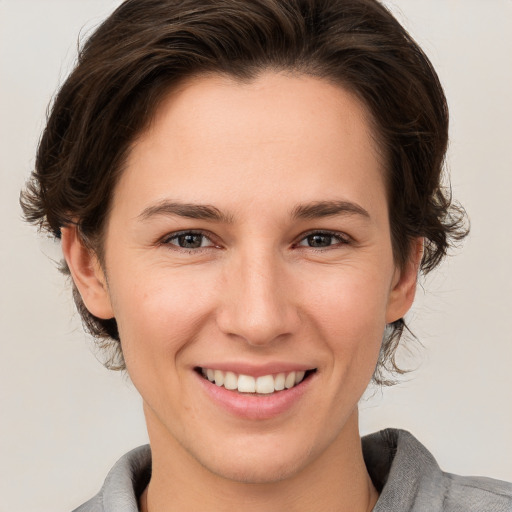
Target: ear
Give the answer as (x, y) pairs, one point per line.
(87, 273)
(403, 289)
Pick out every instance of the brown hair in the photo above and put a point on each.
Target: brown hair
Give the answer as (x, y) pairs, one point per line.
(146, 46)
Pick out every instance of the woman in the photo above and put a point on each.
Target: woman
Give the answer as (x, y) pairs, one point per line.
(245, 193)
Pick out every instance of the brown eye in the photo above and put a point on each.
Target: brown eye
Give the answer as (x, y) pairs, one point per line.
(189, 240)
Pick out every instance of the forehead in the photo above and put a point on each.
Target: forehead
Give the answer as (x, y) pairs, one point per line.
(287, 133)
(269, 108)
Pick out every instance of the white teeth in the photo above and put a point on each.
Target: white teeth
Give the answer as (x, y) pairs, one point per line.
(299, 376)
(265, 384)
(219, 377)
(246, 384)
(279, 381)
(230, 380)
(290, 380)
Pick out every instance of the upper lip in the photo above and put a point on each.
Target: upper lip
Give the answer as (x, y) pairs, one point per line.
(256, 370)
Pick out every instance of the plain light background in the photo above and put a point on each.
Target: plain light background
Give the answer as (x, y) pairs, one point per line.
(65, 420)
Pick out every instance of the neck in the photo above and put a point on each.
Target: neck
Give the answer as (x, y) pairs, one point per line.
(336, 480)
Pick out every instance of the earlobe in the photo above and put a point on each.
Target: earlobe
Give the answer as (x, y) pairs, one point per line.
(403, 291)
(86, 273)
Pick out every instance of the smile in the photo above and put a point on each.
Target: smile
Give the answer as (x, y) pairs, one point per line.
(264, 384)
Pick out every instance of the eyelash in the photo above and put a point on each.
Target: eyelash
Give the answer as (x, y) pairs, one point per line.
(167, 240)
(342, 239)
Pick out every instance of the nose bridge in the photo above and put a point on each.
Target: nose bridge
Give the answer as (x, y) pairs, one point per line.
(257, 305)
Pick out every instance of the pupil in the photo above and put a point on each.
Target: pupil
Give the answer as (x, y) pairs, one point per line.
(319, 240)
(190, 241)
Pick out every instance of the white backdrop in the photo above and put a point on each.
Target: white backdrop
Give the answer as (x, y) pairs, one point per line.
(65, 420)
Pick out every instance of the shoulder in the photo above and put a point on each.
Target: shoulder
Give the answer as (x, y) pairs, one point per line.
(123, 485)
(409, 479)
(468, 494)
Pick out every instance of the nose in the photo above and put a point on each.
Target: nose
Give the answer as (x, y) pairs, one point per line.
(257, 299)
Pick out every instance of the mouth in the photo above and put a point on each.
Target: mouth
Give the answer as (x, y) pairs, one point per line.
(257, 386)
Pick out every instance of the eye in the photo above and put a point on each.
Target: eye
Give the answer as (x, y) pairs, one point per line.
(188, 240)
(321, 239)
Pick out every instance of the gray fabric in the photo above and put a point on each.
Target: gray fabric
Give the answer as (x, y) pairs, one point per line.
(402, 469)
(409, 479)
(123, 485)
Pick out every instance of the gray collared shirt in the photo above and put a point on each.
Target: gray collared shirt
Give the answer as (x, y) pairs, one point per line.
(402, 469)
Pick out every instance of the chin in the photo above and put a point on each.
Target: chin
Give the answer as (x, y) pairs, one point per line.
(250, 471)
(253, 460)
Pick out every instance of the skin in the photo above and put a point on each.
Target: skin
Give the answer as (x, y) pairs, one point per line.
(256, 291)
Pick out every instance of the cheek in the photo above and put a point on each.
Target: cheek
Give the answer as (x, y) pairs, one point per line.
(159, 311)
(351, 300)
(349, 311)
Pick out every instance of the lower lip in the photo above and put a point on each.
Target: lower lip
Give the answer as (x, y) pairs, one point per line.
(256, 407)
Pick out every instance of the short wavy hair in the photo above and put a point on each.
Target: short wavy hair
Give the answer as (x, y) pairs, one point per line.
(145, 47)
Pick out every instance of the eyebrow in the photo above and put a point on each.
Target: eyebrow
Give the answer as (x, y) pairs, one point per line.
(187, 210)
(313, 210)
(320, 209)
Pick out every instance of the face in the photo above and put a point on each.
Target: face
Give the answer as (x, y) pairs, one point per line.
(248, 250)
